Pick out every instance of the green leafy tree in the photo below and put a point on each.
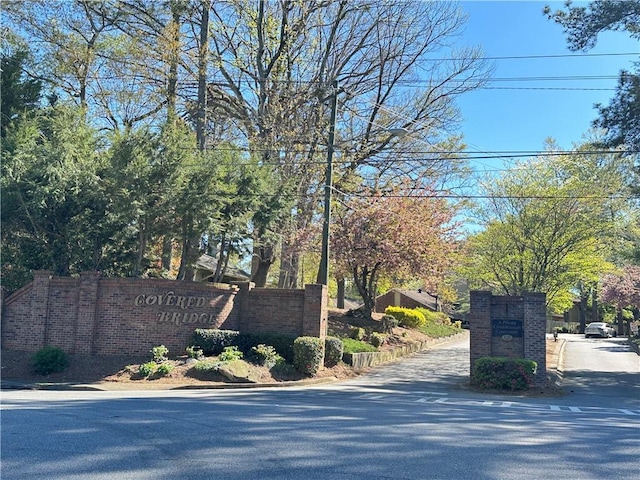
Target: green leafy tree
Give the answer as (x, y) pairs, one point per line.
(548, 223)
(138, 182)
(256, 74)
(582, 25)
(18, 94)
(621, 117)
(53, 201)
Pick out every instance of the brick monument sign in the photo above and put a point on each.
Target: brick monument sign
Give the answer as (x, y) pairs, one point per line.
(93, 315)
(511, 327)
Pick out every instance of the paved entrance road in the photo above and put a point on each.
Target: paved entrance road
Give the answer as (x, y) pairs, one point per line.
(414, 419)
(605, 368)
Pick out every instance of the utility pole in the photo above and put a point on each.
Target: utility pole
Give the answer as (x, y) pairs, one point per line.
(323, 271)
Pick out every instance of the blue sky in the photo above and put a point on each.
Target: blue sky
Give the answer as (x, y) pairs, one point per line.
(498, 120)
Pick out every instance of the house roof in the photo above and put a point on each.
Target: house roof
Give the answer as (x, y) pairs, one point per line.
(209, 264)
(422, 297)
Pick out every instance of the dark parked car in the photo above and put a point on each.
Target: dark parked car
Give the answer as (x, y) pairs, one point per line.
(599, 329)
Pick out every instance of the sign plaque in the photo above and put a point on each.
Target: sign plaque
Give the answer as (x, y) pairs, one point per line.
(506, 328)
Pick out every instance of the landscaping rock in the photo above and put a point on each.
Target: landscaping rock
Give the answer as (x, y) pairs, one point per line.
(238, 372)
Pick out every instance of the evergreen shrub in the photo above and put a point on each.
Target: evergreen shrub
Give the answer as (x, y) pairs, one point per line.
(389, 322)
(229, 354)
(307, 354)
(147, 369)
(357, 346)
(213, 341)
(282, 343)
(357, 333)
(164, 369)
(503, 373)
(377, 339)
(264, 355)
(194, 352)
(333, 350)
(159, 353)
(430, 316)
(49, 360)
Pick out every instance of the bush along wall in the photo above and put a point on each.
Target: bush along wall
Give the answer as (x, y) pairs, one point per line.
(213, 341)
(503, 373)
(407, 317)
(49, 360)
(308, 354)
(333, 350)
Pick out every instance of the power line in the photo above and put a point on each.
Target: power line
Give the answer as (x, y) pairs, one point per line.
(505, 197)
(444, 154)
(453, 196)
(421, 82)
(528, 57)
(581, 89)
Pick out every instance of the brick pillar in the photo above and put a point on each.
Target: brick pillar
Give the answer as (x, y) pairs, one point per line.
(86, 320)
(39, 308)
(241, 304)
(315, 316)
(479, 325)
(535, 326)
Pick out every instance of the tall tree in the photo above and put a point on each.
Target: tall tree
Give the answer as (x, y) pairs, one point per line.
(548, 223)
(408, 234)
(277, 64)
(582, 25)
(53, 202)
(19, 94)
(66, 37)
(621, 117)
(268, 68)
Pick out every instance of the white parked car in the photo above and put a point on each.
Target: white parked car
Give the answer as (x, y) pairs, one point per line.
(599, 329)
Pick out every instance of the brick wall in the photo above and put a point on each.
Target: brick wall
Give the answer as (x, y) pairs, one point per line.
(509, 326)
(109, 316)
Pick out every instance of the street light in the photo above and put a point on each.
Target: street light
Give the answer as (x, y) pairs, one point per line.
(323, 271)
(398, 132)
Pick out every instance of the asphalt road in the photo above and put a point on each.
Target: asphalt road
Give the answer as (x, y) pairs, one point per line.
(601, 367)
(413, 419)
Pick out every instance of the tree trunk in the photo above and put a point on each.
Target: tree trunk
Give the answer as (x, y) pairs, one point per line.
(142, 247)
(263, 258)
(173, 54)
(365, 281)
(583, 310)
(167, 248)
(289, 265)
(341, 288)
(620, 322)
(189, 250)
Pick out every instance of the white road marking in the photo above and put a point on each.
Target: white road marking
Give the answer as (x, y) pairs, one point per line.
(628, 412)
(469, 402)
